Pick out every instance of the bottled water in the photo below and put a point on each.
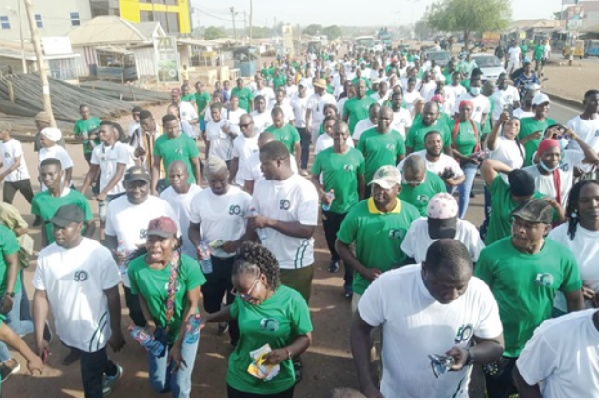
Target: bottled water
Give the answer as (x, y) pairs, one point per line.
(145, 339)
(206, 263)
(192, 329)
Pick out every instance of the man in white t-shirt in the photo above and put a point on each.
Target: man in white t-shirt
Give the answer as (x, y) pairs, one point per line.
(299, 103)
(437, 162)
(325, 140)
(187, 110)
(561, 359)
(282, 102)
(514, 58)
(233, 115)
(110, 158)
(437, 320)
(505, 96)
(402, 118)
(78, 279)
(180, 195)
(218, 213)
(481, 104)
(14, 172)
(287, 211)
(261, 117)
(49, 138)
(262, 90)
(366, 124)
(243, 147)
(316, 106)
(127, 219)
(217, 134)
(453, 90)
(441, 223)
(587, 125)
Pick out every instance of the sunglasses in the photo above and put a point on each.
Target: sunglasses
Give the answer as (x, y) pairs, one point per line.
(245, 296)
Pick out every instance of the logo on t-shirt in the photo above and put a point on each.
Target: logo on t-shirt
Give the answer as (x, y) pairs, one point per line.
(478, 109)
(544, 279)
(464, 334)
(565, 167)
(422, 199)
(143, 233)
(177, 287)
(349, 167)
(284, 205)
(269, 324)
(390, 146)
(80, 276)
(179, 151)
(7, 155)
(396, 233)
(235, 210)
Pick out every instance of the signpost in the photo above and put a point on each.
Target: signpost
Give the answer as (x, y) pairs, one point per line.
(167, 59)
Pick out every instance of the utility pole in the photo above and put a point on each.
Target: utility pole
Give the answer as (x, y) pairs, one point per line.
(232, 9)
(250, 20)
(35, 37)
(23, 62)
(245, 25)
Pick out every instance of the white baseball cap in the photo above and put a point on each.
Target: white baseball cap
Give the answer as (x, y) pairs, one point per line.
(540, 98)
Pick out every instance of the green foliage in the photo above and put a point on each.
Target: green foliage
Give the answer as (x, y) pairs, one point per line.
(261, 32)
(214, 32)
(333, 32)
(313, 29)
(469, 16)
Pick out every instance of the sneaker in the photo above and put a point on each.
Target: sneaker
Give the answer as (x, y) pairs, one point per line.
(109, 382)
(7, 369)
(74, 355)
(223, 328)
(334, 267)
(348, 291)
(304, 173)
(47, 333)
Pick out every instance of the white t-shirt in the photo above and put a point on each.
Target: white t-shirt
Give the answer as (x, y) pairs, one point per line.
(438, 166)
(317, 105)
(288, 112)
(299, 105)
(504, 98)
(133, 125)
(108, 159)
(563, 356)
(12, 150)
(520, 113)
(187, 111)
(428, 90)
(340, 105)
(481, 105)
(208, 114)
(507, 151)
(182, 204)
(290, 91)
(514, 54)
(588, 131)
(452, 93)
(325, 141)
(221, 144)
(402, 122)
(129, 223)
(415, 325)
(243, 148)
(417, 240)
(233, 116)
(251, 170)
(360, 127)
(586, 250)
(410, 98)
(221, 217)
(60, 154)
(545, 183)
(266, 92)
(261, 120)
(293, 199)
(75, 280)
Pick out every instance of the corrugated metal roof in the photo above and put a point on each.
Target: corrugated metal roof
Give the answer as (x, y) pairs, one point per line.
(108, 29)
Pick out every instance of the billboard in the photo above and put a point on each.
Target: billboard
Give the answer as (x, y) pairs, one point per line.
(167, 59)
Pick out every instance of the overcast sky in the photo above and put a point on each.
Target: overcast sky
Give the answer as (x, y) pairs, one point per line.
(343, 12)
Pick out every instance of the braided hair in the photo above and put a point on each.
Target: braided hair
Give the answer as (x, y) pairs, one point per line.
(573, 205)
(256, 259)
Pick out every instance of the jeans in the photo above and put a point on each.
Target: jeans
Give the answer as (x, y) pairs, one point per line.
(11, 189)
(464, 190)
(305, 144)
(13, 320)
(501, 385)
(93, 367)
(179, 383)
(331, 225)
(487, 210)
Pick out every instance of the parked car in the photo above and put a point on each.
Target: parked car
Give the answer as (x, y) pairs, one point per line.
(441, 57)
(490, 65)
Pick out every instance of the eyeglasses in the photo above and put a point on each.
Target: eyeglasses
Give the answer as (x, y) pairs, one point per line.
(404, 182)
(245, 296)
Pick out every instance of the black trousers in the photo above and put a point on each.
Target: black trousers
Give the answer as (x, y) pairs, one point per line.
(501, 385)
(331, 225)
(305, 139)
(11, 189)
(135, 310)
(218, 284)
(234, 393)
(93, 367)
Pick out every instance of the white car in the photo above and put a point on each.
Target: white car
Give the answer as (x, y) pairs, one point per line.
(490, 65)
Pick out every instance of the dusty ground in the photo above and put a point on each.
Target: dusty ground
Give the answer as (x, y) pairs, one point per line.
(570, 82)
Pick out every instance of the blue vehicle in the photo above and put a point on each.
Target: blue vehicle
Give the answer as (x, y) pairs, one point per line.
(591, 48)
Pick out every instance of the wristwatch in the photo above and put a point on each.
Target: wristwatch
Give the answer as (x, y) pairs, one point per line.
(10, 294)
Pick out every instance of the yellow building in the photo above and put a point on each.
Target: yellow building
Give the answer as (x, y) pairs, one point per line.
(173, 15)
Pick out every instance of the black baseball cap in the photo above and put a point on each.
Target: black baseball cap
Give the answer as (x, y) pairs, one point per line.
(136, 173)
(67, 214)
(534, 210)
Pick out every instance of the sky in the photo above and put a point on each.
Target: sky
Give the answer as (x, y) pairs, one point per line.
(342, 12)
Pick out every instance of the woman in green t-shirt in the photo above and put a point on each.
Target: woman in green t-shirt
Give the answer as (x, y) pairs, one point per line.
(466, 150)
(168, 285)
(268, 313)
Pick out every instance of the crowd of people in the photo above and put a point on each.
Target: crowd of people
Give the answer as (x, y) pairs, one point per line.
(384, 148)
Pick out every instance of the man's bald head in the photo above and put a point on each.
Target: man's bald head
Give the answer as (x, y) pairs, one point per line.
(265, 138)
(414, 164)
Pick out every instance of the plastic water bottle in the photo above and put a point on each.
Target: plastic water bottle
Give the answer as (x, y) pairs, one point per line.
(145, 339)
(192, 329)
(206, 263)
(262, 234)
(122, 252)
(330, 196)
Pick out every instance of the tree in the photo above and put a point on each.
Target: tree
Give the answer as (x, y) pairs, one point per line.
(312, 30)
(261, 32)
(214, 32)
(333, 32)
(469, 16)
(423, 30)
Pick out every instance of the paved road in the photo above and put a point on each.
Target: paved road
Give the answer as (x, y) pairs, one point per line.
(562, 113)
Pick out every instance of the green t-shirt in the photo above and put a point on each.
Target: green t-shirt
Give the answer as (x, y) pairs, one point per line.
(502, 206)
(340, 173)
(277, 321)
(377, 236)
(370, 92)
(380, 149)
(287, 134)
(279, 81)
(45, 206)
(87, 125)
(525, 285)
(181, 148)
(8, 245)
(152, 284)
(202, 99)
(465, 140)
(538, 52)
(356, 110)
(487, 124)
(188, 97)
(367, 82)
(530, 125)
(466, 84)
(415, 138)
(245, 95)
(524, 49)
(419, 196)
(329, 89)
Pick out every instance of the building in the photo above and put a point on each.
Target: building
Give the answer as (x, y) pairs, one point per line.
(173, 15)
(53, 18)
